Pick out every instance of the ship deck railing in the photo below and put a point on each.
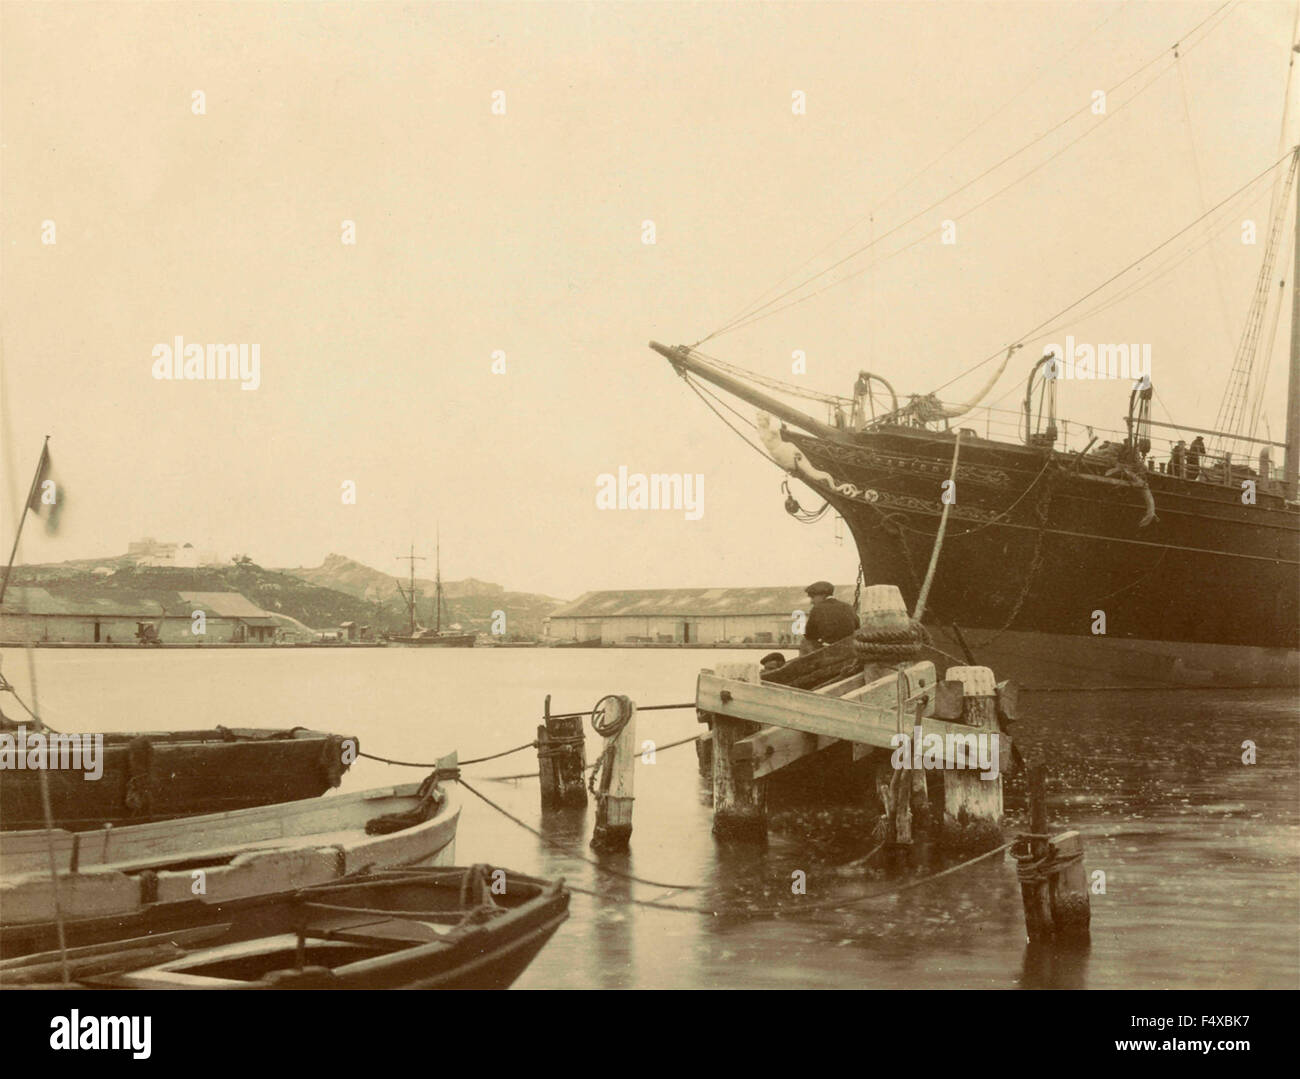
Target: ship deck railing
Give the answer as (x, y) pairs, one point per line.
(1106, 447)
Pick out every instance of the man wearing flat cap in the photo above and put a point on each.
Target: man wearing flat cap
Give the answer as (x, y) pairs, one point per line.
(829, 620)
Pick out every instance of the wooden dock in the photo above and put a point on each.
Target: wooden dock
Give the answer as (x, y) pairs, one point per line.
(892, 717)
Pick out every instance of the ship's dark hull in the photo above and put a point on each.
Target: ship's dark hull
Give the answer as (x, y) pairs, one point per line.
(1207, 593)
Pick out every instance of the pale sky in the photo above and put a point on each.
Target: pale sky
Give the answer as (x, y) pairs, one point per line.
(523, 233)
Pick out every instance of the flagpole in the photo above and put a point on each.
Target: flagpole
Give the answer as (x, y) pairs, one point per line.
(27, 505)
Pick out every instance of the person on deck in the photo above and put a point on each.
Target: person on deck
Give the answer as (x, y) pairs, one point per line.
(1194, 454)
(1177, 458)
(829, 620)
(771, 662)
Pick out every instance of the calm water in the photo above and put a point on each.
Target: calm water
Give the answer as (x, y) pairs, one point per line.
(1201, 853)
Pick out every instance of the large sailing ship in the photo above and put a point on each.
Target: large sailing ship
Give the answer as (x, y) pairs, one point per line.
(418, 634)
(1060, 554)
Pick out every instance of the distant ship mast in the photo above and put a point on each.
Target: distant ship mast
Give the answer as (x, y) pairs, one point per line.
(1293, 376)
(437, 586)
(412, 558)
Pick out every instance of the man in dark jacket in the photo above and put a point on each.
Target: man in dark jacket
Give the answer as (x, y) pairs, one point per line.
(829, 621)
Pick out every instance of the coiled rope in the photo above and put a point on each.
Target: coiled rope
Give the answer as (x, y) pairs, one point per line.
(890, 646)
(608, 721)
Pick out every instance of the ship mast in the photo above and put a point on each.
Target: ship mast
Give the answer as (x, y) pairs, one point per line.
(438, 580)
(412, 558)
(1293, 375)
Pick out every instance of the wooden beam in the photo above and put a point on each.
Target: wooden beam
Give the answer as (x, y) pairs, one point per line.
(845, 685)
(772, 748)
(867, 722)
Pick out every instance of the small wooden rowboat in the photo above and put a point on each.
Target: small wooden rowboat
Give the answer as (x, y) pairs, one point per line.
(164, 775)
(475, 928)
(126, 882)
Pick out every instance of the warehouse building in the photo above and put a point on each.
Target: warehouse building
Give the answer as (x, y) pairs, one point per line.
(685, 616)
(34, 615)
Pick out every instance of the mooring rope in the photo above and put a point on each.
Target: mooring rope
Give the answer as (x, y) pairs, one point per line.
(8, 687)
(796, 908)
(575, 853)
(475, 760)
(554, 741)
(590, 767)
(938, 536)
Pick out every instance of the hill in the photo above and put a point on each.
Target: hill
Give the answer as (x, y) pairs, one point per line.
(339, 590)
(470, 602)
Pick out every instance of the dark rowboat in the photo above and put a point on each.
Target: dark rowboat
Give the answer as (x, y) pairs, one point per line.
(475, 928)
(162, 776)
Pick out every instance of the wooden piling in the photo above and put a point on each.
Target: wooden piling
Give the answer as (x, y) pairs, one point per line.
(1071, 907)
(972, 806)
(704, 754)
(1035, 895)
(1053, 881)
(614, 800)
(561, 760)
(738, 811)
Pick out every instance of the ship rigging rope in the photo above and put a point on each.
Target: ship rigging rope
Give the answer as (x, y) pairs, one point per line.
(1200, 193)
(1033, 333)
(1043, 330)
(767, 309)
(772, 383)
(701, 391)
(870, 214)
(1230, 220)
(926, 236)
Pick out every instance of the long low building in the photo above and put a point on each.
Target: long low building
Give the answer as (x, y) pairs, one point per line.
(685, 616)
(34, 615)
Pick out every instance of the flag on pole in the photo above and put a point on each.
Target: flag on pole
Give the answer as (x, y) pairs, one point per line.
(46, 496)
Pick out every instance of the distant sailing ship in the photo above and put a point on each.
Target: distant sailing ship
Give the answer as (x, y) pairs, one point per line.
(1191, 555)
(422, 635)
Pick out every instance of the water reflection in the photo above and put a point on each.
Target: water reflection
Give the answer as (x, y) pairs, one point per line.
(1201, 853)
(1055, 965)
